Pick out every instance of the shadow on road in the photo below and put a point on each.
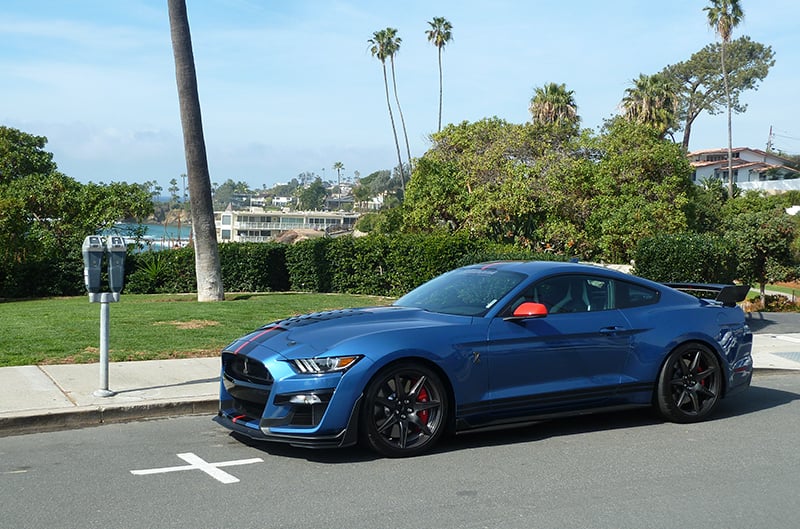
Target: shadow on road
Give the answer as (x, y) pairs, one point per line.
(773, 322)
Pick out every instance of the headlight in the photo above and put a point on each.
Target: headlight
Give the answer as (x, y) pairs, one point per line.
(328, 364)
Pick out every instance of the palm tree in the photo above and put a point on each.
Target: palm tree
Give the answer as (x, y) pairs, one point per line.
(439, 35)
(723, 16)
(392, 46)
(206, 253)
(652, 101)
(378, 50)
(554, 104)
(338, 167)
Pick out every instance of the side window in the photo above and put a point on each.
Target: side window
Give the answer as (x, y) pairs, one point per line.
(570, 293)
(628, 295)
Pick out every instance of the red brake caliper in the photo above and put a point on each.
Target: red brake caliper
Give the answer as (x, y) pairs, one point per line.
(423, 397)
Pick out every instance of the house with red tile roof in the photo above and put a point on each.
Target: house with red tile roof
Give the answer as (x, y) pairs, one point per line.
(752, 169)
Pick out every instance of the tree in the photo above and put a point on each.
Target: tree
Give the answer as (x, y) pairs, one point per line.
(701, 85)
(312, 197)
(378, 50)
(652, 101)
(763, 240)
(361, 195)
(22, 154)
(339, 167)
(495, 179)
(440, 33)
(207, 264)
(723, 16)
(45, 215)
(553, 104)
(392, 46)
(173, 189)
(641, 188)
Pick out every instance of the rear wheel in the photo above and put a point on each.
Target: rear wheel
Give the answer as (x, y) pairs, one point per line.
(405, 410)
(689, 384)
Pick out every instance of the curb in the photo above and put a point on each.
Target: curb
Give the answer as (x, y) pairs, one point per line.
(99, 415)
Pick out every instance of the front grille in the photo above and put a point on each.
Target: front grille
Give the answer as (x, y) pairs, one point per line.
(248, 382)
(241, 367)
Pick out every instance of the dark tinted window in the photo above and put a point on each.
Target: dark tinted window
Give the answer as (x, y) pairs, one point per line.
(629, 295)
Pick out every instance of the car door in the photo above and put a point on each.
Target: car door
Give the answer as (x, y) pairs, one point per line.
(571, 359)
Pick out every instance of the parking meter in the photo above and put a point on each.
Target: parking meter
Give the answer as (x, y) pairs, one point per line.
(115, 246)
(92, 250)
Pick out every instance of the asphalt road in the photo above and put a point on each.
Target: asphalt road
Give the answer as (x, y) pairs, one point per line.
(624, 470)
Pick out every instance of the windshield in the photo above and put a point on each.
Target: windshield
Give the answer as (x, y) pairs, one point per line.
(465, 292)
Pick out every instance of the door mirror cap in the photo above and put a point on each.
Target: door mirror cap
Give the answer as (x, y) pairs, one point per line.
(529, 309)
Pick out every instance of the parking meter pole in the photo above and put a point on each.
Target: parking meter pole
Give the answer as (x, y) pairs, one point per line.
(94, 248)
(105, 299)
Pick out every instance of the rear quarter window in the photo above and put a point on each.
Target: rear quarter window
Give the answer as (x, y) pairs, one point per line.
(629, 295)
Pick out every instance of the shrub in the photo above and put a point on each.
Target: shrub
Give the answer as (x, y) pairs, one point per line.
(307, 265)
(160, 272)
(688, 257)
(253, 267)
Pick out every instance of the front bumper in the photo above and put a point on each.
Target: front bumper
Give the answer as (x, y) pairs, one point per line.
(269, 401)
(249, 427)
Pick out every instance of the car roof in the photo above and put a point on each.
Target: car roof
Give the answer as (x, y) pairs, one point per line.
(543, 268)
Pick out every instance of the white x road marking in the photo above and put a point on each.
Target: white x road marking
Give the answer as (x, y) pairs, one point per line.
(197, 463)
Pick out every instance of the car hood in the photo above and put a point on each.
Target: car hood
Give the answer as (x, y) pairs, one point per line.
(313, 334)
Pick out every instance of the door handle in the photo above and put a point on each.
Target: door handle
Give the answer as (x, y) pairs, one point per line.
(610, 331)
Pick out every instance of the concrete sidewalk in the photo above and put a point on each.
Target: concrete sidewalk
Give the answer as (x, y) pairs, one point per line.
(57, 397)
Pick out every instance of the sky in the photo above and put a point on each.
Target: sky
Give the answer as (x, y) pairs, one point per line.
(288, 87)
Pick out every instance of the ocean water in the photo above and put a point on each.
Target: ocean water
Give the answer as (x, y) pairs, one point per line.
(155, 235)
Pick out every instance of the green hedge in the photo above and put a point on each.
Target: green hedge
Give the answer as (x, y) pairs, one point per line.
(695, 258)
(246, 267)
(388, 264)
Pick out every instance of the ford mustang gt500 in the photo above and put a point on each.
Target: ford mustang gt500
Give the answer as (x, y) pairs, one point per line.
(486, 345)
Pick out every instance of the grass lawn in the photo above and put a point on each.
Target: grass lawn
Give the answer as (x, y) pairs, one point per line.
(147, 327)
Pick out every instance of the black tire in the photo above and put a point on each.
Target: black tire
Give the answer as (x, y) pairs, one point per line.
(689, 385)
(405, 410)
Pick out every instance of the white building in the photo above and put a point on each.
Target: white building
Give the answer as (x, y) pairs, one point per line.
(259, 225)
(752, 169)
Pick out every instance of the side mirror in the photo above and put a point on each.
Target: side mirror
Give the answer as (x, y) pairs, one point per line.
(529, 309)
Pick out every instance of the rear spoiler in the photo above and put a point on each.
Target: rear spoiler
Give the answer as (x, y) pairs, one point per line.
(728, 295)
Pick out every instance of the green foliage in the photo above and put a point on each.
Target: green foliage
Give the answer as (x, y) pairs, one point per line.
(312, 197)
(778, 303)
(381, 264)
(45, 215)
(22, 155)
(642, 185)
(532, 186)
(701, 82)
(306, 262)
(763, 242)
(246, 267)
(686, 257)
(254, 267)
(160, 272)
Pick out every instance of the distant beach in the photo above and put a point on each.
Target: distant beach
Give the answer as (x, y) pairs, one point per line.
(158, 235)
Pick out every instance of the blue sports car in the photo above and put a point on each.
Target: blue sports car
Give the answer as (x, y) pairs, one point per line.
(486, 345)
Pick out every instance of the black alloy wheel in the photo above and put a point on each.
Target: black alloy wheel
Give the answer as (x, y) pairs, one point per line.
(405, 410)
(689, 384)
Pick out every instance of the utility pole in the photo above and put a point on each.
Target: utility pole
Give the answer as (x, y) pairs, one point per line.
(769, 140)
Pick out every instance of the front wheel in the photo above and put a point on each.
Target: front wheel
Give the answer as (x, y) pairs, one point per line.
(689, 384)
(405, 410)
